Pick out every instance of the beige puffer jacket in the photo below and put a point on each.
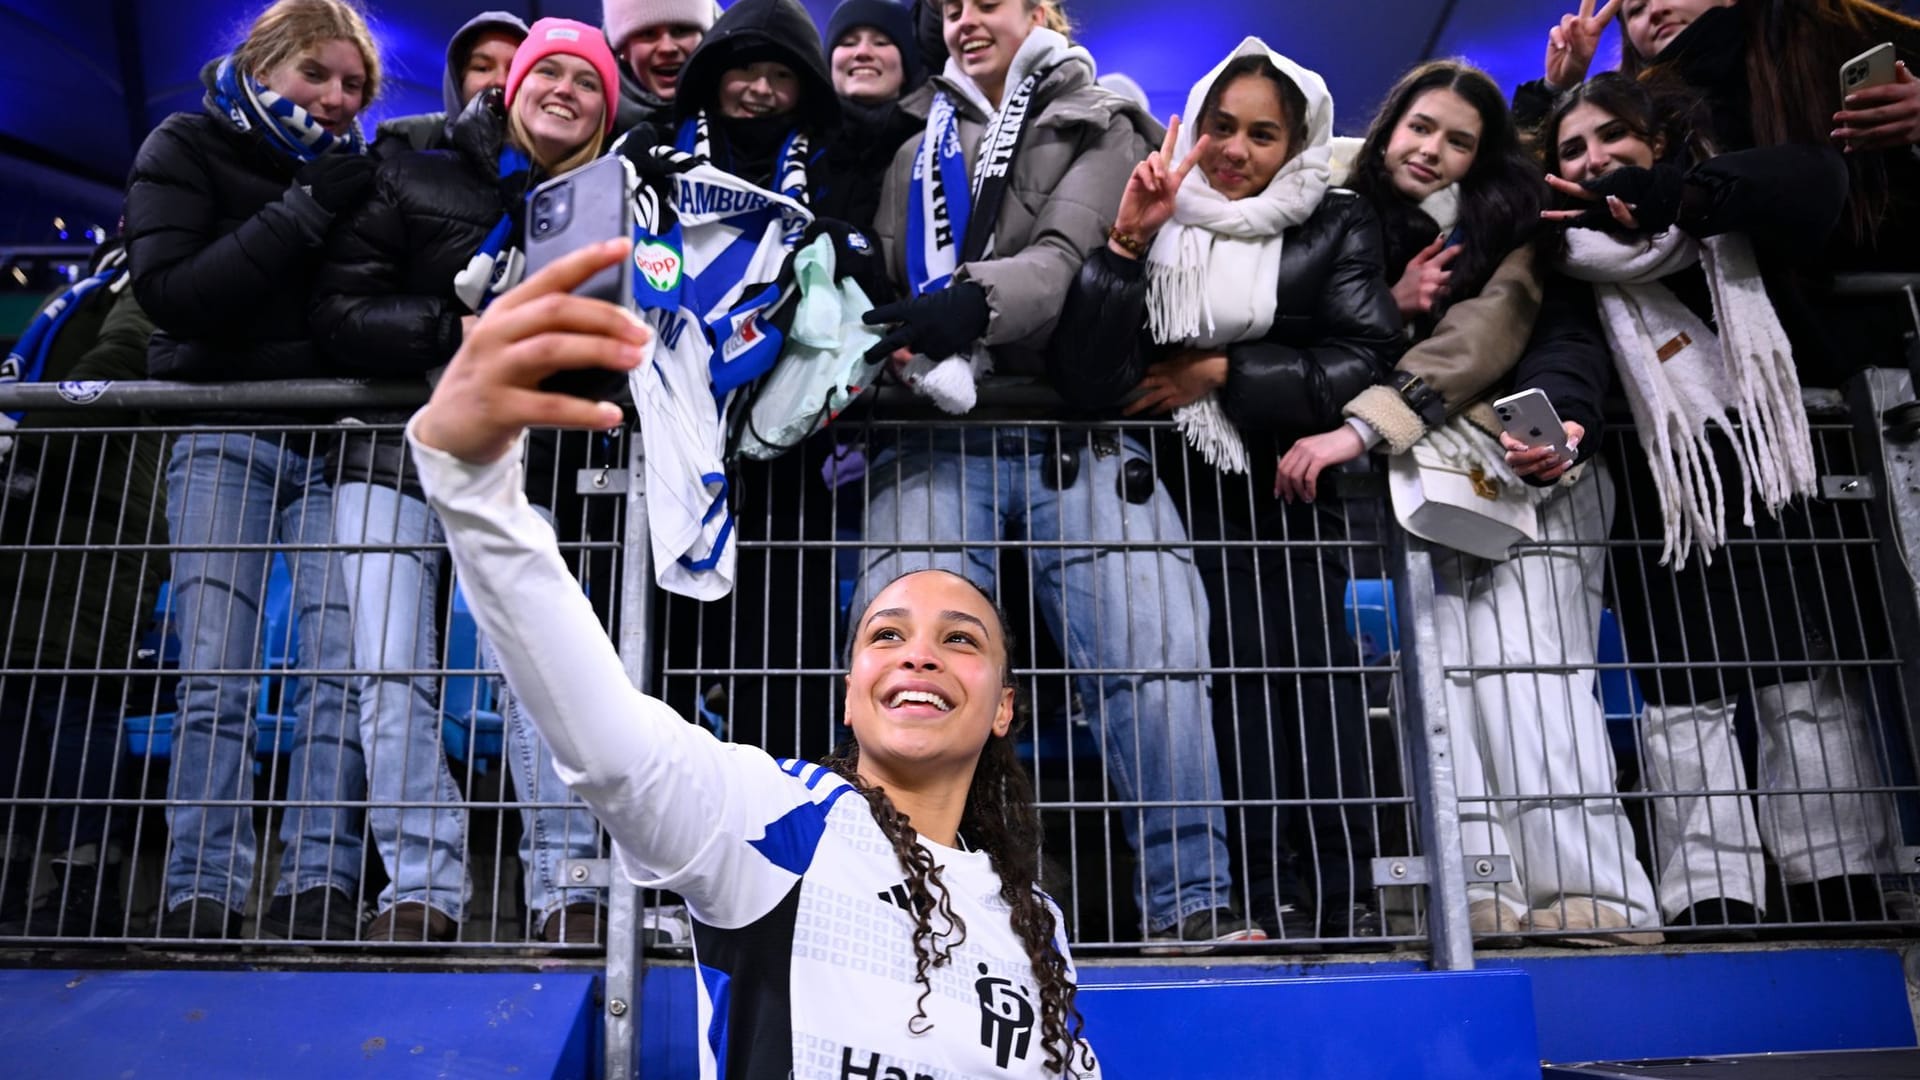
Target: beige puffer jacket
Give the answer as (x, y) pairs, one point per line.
(1060, 203)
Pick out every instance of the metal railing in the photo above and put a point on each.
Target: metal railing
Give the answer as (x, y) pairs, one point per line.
(1281, 710)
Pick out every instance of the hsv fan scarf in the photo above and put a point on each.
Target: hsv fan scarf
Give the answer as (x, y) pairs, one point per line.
(286, 126)
(710, 268)
(28, 360)
(496, 266)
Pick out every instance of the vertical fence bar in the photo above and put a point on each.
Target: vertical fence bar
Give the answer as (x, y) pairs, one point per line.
(1869, 395)
(1424, 719)
(625, 965)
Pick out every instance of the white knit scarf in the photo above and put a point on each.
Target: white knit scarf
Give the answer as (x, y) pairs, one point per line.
(1680, 377)
(1213, 273)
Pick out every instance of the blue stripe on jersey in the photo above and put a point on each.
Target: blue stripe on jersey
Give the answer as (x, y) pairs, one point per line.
(789, 842)
(718, 984)
(792, 766)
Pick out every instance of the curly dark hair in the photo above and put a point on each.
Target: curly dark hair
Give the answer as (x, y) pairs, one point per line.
(999, 820)
(1500, 197)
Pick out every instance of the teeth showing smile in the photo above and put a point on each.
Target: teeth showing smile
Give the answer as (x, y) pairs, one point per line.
(974, 46)
(560, 112)
(920, 697)
(868, 72)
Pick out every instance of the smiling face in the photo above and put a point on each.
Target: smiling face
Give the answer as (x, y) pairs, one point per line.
(1433, 145)
(655, 55)
(866, 66)
(1651, 25)
(487, 64)
(984, 35)
(761, 89)
(328, 80)
(928, 683)
(1592, 142)
(1249, 128)
(562, 106)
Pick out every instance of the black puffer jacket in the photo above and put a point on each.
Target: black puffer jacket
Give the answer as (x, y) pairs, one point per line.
(854, 167)
(223, 246)
(1335, 332)
(384, 304)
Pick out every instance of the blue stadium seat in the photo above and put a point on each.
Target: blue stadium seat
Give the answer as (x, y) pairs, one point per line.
(1620, 698)
(469, 725)
(1372, 619)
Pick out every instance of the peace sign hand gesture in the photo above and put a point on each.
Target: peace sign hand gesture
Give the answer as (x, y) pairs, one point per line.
(1571, 45)
(1148, 202)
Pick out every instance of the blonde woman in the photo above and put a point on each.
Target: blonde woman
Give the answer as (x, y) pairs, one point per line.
(228, 211)
(405, 279)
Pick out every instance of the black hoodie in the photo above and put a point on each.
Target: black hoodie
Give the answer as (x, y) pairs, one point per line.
(751, 31)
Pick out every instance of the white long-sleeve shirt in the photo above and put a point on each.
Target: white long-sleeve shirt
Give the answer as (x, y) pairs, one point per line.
(802, 929)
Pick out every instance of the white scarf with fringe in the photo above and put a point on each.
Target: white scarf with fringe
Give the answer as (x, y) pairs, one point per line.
(1680, 377)
(1213, 272)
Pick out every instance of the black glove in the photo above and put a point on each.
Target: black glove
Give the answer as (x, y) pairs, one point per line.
(653, 160)
(338, 180)
(856, 255)
(1652, 194)
(936, 325)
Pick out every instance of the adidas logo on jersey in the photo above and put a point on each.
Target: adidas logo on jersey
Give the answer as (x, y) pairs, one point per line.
(901, 897)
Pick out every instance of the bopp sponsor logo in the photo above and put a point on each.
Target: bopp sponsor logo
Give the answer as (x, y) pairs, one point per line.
(659, 264)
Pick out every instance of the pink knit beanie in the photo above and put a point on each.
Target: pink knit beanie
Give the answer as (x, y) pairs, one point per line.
(550, 36)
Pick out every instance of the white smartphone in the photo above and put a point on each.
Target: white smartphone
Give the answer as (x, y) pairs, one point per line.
(1871, 68)
(1529, 417)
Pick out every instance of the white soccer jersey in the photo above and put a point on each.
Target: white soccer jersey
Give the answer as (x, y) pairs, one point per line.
(802, 935)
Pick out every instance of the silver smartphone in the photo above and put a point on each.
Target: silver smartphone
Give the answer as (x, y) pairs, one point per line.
(1871, 68)
(1529, 417)
(591, 204)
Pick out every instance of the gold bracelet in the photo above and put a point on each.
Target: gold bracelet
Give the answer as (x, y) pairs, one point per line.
(1132, 244)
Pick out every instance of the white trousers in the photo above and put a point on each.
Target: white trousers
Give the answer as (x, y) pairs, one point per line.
(1812, 735)
(1536, 741)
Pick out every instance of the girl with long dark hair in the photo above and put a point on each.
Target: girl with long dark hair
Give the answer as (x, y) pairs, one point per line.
(898, 931)
(1534, 771)
(1666, 251)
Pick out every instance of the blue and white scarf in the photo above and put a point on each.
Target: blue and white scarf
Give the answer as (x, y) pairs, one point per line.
(285, 126)
(711, 266)
(27, 362)
(943, 228)
(790, 173)
(498, 264)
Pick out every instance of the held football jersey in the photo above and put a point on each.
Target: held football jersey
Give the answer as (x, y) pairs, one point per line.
(802, 920)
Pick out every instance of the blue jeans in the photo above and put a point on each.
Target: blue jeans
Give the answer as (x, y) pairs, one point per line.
(394, 596)
(1137, 615)
(555, 824)
(244, 489)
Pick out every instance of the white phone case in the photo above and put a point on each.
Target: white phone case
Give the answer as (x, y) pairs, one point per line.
(1871, 68)
(1529, 417)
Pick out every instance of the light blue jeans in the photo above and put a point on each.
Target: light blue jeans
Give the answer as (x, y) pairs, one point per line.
(1137, 616)
(394, 596)
(555, 824)
(245, 489)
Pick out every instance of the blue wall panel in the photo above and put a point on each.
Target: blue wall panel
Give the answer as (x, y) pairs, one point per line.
(1616, 1007)
(213, 1025)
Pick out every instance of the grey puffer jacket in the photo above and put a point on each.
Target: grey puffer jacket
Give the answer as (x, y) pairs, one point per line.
(1061, 200)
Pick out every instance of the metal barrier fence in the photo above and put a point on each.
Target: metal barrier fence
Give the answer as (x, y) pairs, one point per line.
(1292, 712)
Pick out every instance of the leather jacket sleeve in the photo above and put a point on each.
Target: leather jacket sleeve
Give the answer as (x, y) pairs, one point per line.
(1285, 388)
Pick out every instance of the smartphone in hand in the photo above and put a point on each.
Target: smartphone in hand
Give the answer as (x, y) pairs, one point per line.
(591, 204)
(1530, 417)
(1871, 68)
